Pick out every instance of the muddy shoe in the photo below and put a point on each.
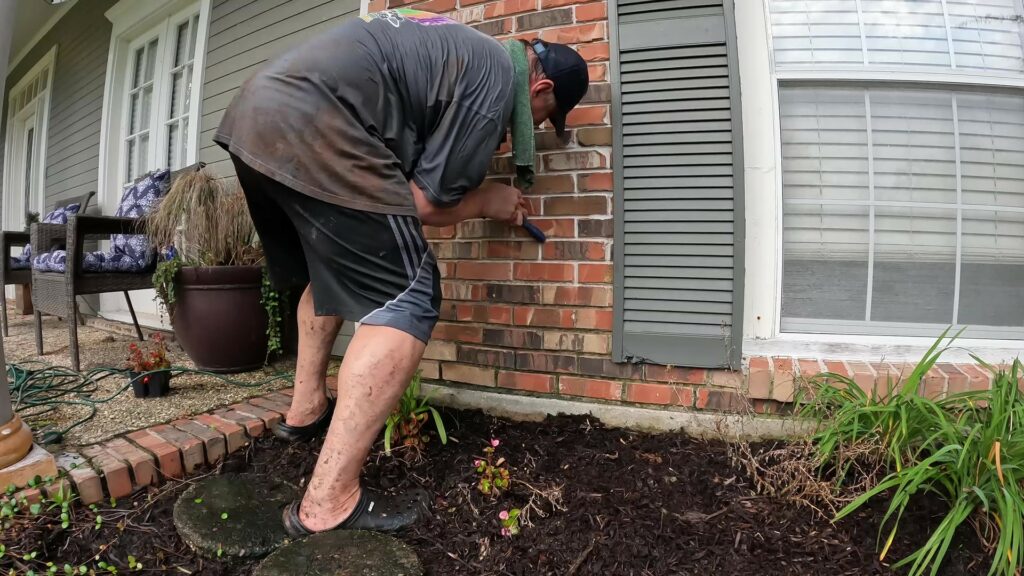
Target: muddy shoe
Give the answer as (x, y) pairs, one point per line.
(286, 431)
(374, 511)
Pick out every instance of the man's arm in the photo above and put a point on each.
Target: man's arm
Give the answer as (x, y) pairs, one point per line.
(492, 200)
(469, 208)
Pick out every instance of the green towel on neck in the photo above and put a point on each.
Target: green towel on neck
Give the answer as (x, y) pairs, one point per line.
(522, 115)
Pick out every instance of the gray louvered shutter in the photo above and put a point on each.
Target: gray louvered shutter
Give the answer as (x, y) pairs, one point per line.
(679, 225)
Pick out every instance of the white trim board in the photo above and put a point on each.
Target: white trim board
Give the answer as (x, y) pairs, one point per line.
(13, 62)
(878, 348)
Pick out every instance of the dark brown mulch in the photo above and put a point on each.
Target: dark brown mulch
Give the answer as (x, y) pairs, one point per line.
(605, 502)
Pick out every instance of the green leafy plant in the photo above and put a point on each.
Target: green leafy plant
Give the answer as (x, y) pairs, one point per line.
(494, 476)
(272, 301)
(966, 449)
(405, 424)
(509, 521)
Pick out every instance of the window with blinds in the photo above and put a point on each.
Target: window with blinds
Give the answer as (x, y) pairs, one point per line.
(903, 204)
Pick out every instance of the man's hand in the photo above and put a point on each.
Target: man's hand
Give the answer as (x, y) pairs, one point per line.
(492, 200)
(503, 202)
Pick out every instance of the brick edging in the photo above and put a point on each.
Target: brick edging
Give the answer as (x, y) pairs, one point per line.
(119, 466)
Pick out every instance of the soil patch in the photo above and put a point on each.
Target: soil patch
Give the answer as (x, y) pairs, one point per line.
(595, 502)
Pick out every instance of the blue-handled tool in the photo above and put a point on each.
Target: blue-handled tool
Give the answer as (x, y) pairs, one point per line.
(534, 231)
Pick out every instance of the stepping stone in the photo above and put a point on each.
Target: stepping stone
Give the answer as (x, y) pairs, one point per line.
(252, 526)
(342, 553)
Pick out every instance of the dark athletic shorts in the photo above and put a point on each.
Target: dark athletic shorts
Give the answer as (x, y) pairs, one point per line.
(370, 268)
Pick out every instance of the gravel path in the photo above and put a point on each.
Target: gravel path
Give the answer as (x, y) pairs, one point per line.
(190, 393)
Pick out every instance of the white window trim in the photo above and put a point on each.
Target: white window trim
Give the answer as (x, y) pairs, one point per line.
(130, 18)
(43, 127)
(762, 155)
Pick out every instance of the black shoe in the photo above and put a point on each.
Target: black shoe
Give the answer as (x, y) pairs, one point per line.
(306, 433)
(374, 511)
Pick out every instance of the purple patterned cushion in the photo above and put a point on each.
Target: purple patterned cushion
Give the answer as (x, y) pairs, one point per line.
(53, 261)
(132, 252)
(55, 216)
(60, 215)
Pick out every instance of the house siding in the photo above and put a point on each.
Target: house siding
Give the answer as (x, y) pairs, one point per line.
(243, 34)
(82, 38)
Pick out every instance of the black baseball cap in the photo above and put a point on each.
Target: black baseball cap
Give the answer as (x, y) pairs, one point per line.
(567, 69)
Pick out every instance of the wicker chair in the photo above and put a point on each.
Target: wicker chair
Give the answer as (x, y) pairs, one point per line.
(56, 293)
(8, 240)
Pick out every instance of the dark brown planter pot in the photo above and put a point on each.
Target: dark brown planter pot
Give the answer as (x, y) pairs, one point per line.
(219, 319)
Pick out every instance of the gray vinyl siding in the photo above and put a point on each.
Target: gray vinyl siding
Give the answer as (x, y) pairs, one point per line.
(244, 34)
(82, 38)
(679, 219)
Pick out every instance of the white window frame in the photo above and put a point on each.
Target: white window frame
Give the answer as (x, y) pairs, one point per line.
(132, 21)
(762, 152)
(40, 108)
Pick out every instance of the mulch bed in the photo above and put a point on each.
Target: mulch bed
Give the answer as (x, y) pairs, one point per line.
(604, 502)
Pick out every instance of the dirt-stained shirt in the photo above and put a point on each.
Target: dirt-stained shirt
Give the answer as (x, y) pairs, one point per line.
(352, 115)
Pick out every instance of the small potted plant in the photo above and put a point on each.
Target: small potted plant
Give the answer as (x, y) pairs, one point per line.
(149, 369)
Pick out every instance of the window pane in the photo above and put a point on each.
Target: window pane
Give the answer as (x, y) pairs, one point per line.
(134, 112)
(987, 35)
(905, 32)
(139, 60)
(915, 265)
(991, 149)
(143, 164)
(151, 59)
(816, 31)
(147, 103)
(182, 36)
(992, 269)
(825, 268)
(177, 87)
(130, 155)
(192, 40)
(173, 137)
(29, 163)
(824, 144)
(913, 146)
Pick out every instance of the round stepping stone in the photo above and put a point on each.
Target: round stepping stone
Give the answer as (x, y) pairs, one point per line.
(237, 514)
(342, 553)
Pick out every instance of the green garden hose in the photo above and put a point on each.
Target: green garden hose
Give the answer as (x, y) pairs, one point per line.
(38, 389)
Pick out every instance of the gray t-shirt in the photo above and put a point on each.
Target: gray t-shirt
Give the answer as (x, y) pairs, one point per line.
(352, 115)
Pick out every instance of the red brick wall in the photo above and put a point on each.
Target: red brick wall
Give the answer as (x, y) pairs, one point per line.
(537, 318)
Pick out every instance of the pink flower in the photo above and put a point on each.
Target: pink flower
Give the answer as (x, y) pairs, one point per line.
(503, 514)
(477, 462)
(506, 532)
(494, 442)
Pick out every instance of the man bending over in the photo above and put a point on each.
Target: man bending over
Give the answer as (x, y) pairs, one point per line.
(345, 146)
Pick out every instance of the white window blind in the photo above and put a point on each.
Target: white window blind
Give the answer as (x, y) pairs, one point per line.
(902, 207)
(929, 35)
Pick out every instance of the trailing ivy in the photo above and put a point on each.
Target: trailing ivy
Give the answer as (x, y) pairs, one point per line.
(272, 301)
(165, 281)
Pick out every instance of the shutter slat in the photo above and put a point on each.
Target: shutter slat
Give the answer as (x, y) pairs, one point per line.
(678, 160)
(676, 106)
(662, 64)
(670, 285)
(684, 295)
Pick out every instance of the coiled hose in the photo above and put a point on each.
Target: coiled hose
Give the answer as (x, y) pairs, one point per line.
(38, 388)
